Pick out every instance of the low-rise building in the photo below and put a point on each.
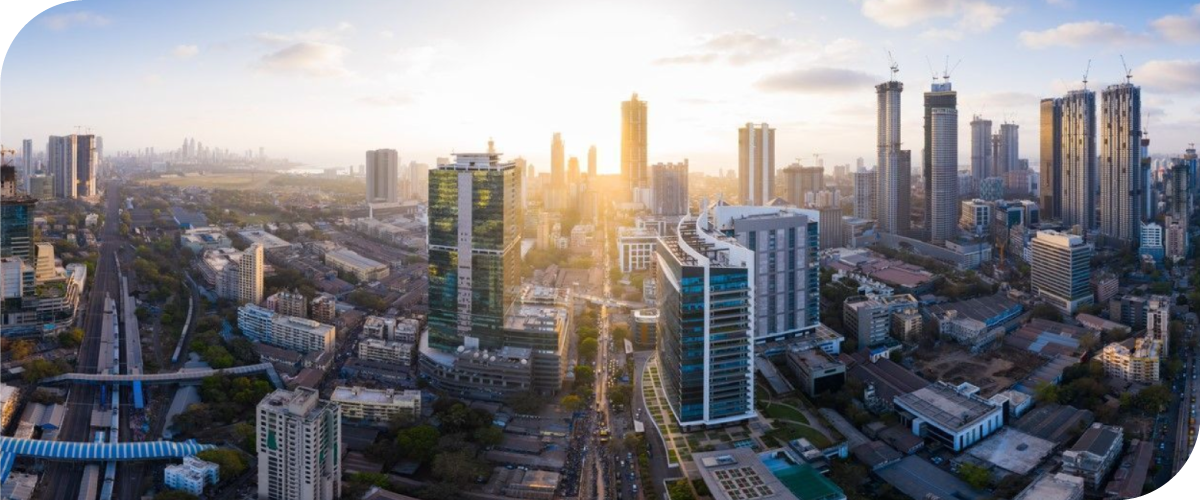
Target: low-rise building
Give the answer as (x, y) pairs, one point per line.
(351, 262)
(635, 248)
(1134, 360)
(972, 333)
(376, 405)
(954, 415)
(8, 403)
(191, 476)
(1094, 454)
(323, 308)
(645, 327)
(386, 351)
(1058, 486)
(817, 371)
(1130, 476)
(523, 484)
(289, 332)
(870, 318)
(200, 239)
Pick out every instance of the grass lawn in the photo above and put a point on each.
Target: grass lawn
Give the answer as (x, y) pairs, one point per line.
(785, 412)
(788, 432)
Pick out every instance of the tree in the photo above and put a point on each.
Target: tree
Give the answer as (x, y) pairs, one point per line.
(680, 490)
(1046, 392)
(232, 463)
(458, 467)
(588, 348)
(246, 432)
(585, 376)
(620, 394)
(572, 402)
(1153, 399)
(418, 443)
(39, 369)
(976, 476)
(21, 349)
(526, 403)
(1046, 311)
(488, 436)
(71, 338)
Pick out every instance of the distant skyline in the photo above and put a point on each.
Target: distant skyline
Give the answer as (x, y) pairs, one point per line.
(322, 83)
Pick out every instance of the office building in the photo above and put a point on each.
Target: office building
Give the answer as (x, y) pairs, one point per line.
(893, 194)
(299, 446)
(383, 176)
(956, 416)
(669, 182)
(591, 165)
(783, 243)
(635, 248)
(1120, 173)
(191, 476)
(634, 156)
(377, 406)
(756, 164)
(865, 184)
(1092, 457)
(1078, 150)
(474, 254)
(869, 319)
(1050, 138)
(28, 167)
(705, 353)
(799, 181)
(991, 189)
(941, 162)
(981, 148)
(832, 231)
(817, 371)
(1061, 269)
(289, 332)
(16, 218)
(976, 217)
(645, 327)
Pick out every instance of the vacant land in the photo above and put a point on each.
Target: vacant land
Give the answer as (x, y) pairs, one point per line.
(992, 371)
(248, 180)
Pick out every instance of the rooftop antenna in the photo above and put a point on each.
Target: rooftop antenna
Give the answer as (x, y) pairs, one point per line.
(1085, 73)
(1128, 74)
(892, 65)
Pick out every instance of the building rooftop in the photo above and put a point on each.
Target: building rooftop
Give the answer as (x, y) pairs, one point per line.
(1054, 422)
(738, 474)
(1058, 486)
(916, 477)
(268, 240)
(946, 406)
(636, 232)
(1048, 338)
(352, 258)
(536, 318)
(989, 310)
(1130, 475)
(890, 379)
(355, 394)
(1012, 450)
(1097, 440)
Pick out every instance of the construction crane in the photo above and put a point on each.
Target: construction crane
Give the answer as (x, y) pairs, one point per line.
(947, 70)
(816, 159)
(5, 154)
(1128, 73)
(892, 65)
(1085, 73)
(932, 72)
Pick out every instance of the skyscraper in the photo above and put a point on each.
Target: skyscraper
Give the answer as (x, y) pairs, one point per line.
(798, 181)
(1061, 269)
(1078, 159)
(981, 149)
(941, 162)
(1050, 137)
(87, 165)
(892, 194)
(756, 164)
(474, 248)
(383, 176)
(558, 162)
(299, 446)
(705, 352)
(61, 156)
(634, 124)
(591, 166)
(250, 275)
(27, 163)
(1007, 150)
(16, 218)
(1121, 182)
(864, 194)
(670, 181)
(572, 171)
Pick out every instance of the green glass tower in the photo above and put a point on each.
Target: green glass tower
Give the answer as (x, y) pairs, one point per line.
(474, 249)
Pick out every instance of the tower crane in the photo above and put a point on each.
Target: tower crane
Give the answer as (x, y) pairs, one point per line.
(1128, 73)
(892, 65)
(1085, 73)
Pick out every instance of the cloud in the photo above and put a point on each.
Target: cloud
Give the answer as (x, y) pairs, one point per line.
(320, 34)
(971, 16)
(736, 48)
(1180, 29)
(316, 59)
(1007, 100)
(1082, 33)
(1170, 75)
(67, 20)
(387, 101)
(821, 79)
(387, 34)
(152, 80)
(185, 51)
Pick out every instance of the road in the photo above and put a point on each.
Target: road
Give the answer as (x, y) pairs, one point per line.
(61, 480)
(1185, 427)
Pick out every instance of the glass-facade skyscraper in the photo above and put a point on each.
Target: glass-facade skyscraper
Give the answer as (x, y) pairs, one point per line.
(474, 248)
(16, 219)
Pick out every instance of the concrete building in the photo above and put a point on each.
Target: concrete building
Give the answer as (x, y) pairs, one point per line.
(247, 274)
(523, 484)
(941, 162)
(739, 474)
(645, 327)
(832, 232)
(799, 181)
(1158, 321)
(1061, 269)
(1057, 486)
(634, 156)
(288, 303)
(976, 217)
(865, 184)
(1007, 153)
(376, 405)
(635, 248)
(1134, 360)
(383, 176)
(323, 308)
(817, 371)
(199, 239)
(870, 318)
(669, 181)
(1122, 182)
(289, 332)
(386, 351)
(981, 148)
(1050, 142)
(1092, 457)
(756, 164)
(299, 446)
(191, 476)
(954, 415)
(893, 193)
(1078, 153)
(360, 267)
(1177, 241)
(1151, 241)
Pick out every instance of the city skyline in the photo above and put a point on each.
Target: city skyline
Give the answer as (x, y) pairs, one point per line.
(364, 81)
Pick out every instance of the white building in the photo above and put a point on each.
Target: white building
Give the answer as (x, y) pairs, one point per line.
(383, 176)
(976, 217)
(1134, 360)
(289, 332)
(199, 239)
(1158, 321)
(191, 476)
(954, 415)
(299, 446)
(386, 351)
(349, 261)
(756, 164)
(1061, 269)
(376, 405)
(635, 248)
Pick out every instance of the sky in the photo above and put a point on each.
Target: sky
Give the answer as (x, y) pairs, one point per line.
(322, 82)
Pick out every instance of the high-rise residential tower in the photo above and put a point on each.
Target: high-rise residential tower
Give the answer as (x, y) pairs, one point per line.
(591, 166)
(798, 181)
(572, 171)
(670, 182)
(27, 163)
(299, 446)
(1061, 269)
(1121, 181)
(1050, 137)
(634, 123)
(892, 194)
(250, 275)
(1078, 140)
(1008, 150)
(864, 194)
(756, 164)
(941, 163)
(61, 158)
(981, 149)
(475, 224)
(383, 176)
(87, 166)
(558, 162)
